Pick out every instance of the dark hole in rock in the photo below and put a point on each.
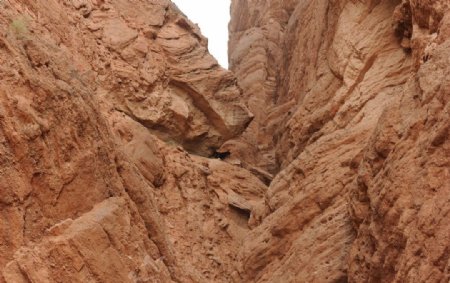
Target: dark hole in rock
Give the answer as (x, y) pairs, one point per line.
(245, 213)
(220, 155)
(341, 279)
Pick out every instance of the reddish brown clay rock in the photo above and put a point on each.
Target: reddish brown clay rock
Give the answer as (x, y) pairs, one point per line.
(72, 207)
(109, 110)
(88, 89)
(357, 119)
(151, 63)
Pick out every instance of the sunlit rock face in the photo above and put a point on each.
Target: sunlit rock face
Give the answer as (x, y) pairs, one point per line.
(128, 155)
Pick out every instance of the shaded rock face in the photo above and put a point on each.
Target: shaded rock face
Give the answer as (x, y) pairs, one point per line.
(109, 110)
(352, 118)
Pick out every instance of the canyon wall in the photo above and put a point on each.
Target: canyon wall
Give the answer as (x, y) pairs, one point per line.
(351, 104)
(129, 155)
(109, 112)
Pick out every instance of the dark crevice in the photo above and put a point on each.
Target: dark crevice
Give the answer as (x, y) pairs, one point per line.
(220, 155)
(245, 213)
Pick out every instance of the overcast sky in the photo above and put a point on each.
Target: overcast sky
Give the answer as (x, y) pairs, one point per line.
(212, 16)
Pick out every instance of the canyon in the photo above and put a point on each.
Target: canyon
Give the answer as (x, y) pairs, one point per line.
(127, 154)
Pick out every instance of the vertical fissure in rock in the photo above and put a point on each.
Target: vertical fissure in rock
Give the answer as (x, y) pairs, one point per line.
(128, 154)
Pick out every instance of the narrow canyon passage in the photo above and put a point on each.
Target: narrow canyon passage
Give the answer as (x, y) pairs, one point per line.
(128, 154)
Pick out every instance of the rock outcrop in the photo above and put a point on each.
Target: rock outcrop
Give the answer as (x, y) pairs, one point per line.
(333, 126)
(100, 103)
(353, 113)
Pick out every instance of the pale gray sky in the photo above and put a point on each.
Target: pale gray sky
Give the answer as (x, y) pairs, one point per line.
(212, 16)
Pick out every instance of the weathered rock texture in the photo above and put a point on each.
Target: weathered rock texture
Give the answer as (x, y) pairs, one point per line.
(351, 105)
(99, 101)
(111, 109)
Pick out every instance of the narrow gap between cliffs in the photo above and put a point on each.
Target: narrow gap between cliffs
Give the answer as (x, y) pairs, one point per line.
(212, 17)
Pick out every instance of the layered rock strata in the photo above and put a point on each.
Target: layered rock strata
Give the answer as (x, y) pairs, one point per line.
(100, 102)
(351, 100)
(333, 128)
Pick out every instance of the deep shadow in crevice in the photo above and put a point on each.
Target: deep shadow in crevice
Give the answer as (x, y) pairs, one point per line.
(242, 212)
(221, 155)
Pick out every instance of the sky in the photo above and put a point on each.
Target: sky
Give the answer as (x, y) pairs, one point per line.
(212, 16)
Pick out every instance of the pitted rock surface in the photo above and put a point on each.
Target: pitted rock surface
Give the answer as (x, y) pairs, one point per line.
(127, 154)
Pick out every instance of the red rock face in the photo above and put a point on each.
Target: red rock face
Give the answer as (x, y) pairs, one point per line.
(99, 101)
(357, 116)
(333, 124)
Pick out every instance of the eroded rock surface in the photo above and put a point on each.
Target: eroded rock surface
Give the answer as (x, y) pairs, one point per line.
(333, 127)
(354, 119)
(100, 102)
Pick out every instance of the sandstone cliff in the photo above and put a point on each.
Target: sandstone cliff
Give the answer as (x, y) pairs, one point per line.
(333, 123)
(100, 102)
(351, 105)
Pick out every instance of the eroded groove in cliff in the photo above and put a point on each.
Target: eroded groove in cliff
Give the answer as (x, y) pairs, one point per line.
(127, 154)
